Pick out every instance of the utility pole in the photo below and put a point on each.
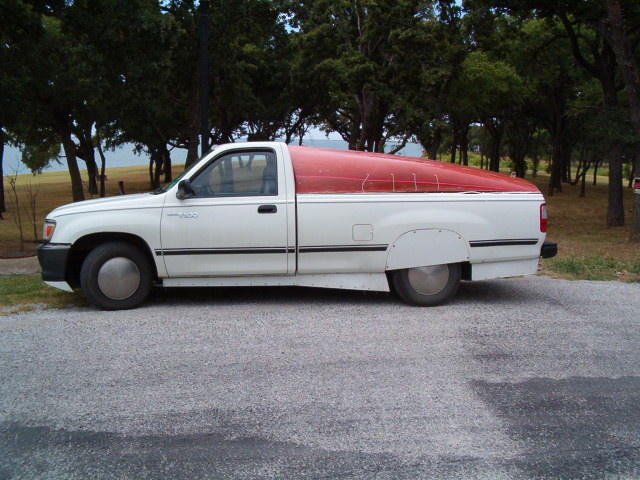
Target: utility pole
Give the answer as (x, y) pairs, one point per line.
(203, 76)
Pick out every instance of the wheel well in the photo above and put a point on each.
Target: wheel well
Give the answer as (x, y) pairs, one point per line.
(466, 270)
(465, 273)
(81, 248)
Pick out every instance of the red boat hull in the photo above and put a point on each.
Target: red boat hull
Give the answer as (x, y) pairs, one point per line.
(323, 170)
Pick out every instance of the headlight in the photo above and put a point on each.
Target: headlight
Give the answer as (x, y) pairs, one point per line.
(47, 230)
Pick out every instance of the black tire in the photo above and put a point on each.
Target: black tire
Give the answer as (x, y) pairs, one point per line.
(124, 294)
(403, 287)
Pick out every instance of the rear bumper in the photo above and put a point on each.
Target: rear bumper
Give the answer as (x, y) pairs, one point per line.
(53, 261)
(549, 249)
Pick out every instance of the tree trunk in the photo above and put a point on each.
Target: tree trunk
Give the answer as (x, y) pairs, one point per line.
(87, 154)
(635, 227)
(580, 167)
(615, 210)
(494, 154)
(192, 151)
(566, 176)
(103, 169)
(3, 206)
(629, 68)
(166, 166)
(464, 144)
(151, 165)
(156, 161)
(519, 164)
(454, 141)
(92, 173)
(158, 170)
(77, 192)
(535, 163)
(583, 184)
(626, 61)
(103, 163)
(615, 207)
(604, 68)
(431, 144)
(495, 130)
(557, 159)
(192, 145)
(581, 171)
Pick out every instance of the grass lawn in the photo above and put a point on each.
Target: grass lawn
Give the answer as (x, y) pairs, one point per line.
(22, 293)
(587, 248)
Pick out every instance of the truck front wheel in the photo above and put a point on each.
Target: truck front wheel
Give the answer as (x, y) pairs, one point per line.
(116, 276)
(427, 286)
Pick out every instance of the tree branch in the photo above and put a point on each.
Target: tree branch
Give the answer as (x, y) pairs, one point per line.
(573, 39)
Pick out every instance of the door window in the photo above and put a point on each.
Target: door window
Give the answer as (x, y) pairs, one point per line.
(238, 174)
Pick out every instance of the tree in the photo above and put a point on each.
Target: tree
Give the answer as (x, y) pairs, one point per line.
(498, 88)
(51, 71)
(353, 50)
(619, 40)
(148, 105)
(425, 105)
(586, 27)
(542, 56)
(17, 22)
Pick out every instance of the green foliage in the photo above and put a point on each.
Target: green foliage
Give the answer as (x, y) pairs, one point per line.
(487, 86)
(24, 292)
(38, 157)
(596, 268)
(365, 57)
(504, 76)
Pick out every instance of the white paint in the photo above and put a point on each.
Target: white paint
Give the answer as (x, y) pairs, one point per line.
(484, 271)
(427, 247)
(60, 285)
(362, 233)
(347, 281)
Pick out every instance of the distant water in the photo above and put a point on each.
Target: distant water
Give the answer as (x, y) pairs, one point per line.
(125, 156)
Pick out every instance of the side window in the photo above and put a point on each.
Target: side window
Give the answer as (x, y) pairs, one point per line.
(238, 174)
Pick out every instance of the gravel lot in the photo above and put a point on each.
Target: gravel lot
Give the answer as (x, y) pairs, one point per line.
(521, 378)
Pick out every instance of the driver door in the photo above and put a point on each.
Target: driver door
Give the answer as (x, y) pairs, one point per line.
(235, 223)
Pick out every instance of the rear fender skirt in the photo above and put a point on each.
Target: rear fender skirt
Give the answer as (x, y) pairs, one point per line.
(419, 248)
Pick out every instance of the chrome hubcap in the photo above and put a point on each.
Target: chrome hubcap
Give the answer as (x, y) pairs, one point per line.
(429, 280)
(118, 278)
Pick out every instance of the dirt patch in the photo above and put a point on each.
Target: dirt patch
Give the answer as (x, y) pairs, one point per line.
(19, 266)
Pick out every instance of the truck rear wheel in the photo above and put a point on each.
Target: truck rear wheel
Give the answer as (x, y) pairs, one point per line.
(427, 286)
(116, 276)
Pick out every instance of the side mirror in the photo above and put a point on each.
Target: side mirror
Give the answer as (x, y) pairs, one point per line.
(184, 190)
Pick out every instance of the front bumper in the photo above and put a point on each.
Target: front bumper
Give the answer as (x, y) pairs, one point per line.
(53, 261)
(549, 249)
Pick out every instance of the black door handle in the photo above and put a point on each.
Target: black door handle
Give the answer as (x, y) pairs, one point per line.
(267, 209)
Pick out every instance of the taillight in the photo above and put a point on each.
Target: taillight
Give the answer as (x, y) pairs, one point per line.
(544, 216)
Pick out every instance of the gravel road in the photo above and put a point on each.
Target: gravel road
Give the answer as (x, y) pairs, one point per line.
(521, 378)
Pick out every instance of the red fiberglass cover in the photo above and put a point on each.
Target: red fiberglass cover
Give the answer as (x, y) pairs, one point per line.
(324, 170)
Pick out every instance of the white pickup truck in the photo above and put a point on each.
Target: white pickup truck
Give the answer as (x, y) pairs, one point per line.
(265, 213)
